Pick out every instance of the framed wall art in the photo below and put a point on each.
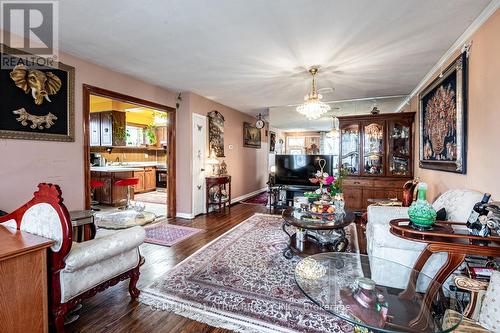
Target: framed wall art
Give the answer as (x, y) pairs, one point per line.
(37, 103)
(216, 133)
(251, 136)
(272, 141)
(443, 120)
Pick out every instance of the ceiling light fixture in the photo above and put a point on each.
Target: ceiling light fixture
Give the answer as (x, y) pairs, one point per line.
(313, 107)
(334, 132)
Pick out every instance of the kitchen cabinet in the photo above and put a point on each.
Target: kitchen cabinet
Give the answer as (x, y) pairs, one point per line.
(113, 128)
(149, 179)
(140, 185)
(95, 129)
(376, 151)
(110, 194)
(161, 136)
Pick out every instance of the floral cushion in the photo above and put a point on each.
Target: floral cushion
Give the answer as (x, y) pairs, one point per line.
(489, 316)
(93, 251)
(42, 220)
(77, 282)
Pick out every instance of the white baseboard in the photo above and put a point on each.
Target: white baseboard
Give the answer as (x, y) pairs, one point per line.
(189, 216)
(248, 195)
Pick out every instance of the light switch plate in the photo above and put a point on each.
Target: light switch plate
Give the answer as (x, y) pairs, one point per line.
(230, 147)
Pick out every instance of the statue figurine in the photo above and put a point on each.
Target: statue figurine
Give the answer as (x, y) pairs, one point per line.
(223, 168)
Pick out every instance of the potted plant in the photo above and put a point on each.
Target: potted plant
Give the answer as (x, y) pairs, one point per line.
(151, 135)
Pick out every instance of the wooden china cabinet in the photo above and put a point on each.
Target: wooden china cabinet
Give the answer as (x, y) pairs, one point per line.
(377, 152)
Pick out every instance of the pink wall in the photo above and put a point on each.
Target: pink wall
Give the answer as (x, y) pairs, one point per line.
(483, 142)
(247, 166)
(27, 163)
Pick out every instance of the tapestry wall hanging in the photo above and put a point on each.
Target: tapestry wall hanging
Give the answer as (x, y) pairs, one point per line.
(251, 136)
(216, 133)
(36, 103)
(443, 120)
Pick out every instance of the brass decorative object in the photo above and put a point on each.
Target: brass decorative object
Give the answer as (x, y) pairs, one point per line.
(36, 121)
(41, 84)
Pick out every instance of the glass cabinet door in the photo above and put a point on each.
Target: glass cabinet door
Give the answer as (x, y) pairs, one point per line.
(373, 148)
(399, 157)
(349, 137)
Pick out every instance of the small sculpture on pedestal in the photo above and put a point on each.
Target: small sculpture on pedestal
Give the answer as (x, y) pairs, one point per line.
(222, 168)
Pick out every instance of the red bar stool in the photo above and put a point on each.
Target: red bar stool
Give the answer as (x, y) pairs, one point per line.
(94, 183)
(129, 182)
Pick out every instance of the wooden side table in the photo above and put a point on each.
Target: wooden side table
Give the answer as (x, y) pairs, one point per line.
(83, 225)
(450, 237)
(222, 183)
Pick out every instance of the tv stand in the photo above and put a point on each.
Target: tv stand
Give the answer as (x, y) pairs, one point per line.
(291, 191)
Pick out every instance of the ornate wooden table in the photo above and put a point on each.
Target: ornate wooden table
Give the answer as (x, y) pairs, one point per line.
(220, 183)
(320, 235)
(450, 237)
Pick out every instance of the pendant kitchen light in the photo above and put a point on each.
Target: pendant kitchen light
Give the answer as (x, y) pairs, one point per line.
(334, 132)
(313, 107)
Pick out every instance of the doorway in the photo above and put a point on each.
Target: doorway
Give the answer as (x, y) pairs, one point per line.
(134, 135)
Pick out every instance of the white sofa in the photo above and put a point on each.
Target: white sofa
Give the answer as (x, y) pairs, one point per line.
(382, 244)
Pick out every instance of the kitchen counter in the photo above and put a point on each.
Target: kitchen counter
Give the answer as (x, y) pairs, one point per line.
(115, 169)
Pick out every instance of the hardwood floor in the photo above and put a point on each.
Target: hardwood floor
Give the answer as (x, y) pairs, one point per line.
(112, 311)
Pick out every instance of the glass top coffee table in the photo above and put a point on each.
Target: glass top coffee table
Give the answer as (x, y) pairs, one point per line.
(321, 233)
(341, 284)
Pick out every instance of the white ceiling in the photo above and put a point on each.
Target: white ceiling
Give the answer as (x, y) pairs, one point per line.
(253, 54)
(287, 119)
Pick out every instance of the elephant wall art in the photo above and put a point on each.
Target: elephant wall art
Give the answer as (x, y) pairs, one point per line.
(36, 103)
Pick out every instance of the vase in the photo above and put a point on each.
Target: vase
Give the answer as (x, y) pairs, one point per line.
(422, 214)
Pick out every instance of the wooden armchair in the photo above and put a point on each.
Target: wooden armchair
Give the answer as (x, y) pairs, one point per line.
(76, 270)
(474, 317)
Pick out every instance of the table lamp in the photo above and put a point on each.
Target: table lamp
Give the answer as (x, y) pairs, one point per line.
(213, 162)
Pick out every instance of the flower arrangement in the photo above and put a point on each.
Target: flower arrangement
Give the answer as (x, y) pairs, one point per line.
(322, 178)
(336, 185)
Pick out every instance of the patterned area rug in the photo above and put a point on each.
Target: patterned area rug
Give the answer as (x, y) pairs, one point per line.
(168, 234)
(242, 282)
(259, 199)
(152, 197)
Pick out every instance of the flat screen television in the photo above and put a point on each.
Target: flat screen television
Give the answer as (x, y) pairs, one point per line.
(297, 169)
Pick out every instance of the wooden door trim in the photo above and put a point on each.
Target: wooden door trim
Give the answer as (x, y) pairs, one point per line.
(171, 154)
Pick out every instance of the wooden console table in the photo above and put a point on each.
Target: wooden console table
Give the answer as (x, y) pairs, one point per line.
(23, 286)
(222, 183)
(456, 242)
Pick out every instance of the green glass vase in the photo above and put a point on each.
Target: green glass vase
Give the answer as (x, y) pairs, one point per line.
(421, 212)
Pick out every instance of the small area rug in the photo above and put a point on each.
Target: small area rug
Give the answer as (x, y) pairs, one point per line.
(168, 234)
(241, 282)
(152, 197)
(259, 199)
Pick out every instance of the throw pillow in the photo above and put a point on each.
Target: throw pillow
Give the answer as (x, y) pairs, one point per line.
(441, 214)
(489, 316)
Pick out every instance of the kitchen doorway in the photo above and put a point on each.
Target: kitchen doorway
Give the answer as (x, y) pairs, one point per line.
(128, 138)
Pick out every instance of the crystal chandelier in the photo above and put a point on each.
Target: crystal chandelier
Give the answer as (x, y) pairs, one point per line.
(313, 107)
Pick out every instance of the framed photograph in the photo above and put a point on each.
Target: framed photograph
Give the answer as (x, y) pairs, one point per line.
(216, 133)
(251, 136)
(272, 142)
(443, 120)
(37, 103)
